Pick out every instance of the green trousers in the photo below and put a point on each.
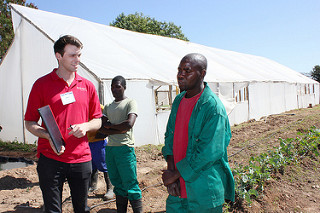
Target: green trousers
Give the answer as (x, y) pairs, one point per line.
(122, 167)
(181, 205)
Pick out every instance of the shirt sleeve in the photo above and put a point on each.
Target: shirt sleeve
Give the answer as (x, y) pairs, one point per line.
(34, 103)
(132, 107)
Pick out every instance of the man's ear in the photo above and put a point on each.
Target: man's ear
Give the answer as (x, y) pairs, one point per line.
(203, 73)
(58, 56)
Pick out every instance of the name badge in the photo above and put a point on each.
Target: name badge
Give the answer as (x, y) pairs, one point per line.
(67, 98)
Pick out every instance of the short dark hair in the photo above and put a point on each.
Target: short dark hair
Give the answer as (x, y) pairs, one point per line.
(60, 44)
(197, 60)
(121, 79)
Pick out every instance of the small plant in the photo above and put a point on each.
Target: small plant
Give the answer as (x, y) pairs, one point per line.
(151, 148)
(17, 146)
(250, 179)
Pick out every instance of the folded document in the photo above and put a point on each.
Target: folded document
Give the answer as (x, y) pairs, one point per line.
(52, 127)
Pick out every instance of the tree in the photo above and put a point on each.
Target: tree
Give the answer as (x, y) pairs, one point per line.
(139, 23)
(315, 73)
(6, 29)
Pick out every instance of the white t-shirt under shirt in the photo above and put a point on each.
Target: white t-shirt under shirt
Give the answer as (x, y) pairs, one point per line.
(117, 112)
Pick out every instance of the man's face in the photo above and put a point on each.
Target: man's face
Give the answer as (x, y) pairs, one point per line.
(117, 90)
(189, 78)
(70, 59)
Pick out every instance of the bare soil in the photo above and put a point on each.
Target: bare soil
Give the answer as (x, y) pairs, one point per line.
(297, 190)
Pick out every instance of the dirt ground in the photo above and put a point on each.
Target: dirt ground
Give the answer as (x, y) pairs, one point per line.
(297, 190)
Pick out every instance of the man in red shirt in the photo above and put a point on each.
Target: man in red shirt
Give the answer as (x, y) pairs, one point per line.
(76, 108)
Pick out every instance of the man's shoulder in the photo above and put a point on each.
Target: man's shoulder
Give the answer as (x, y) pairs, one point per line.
(129, 104)
(44, 79)
(85, 84)
(108, 105)
(213, 101)
(209, 95)
(131, 101)
(85, 81)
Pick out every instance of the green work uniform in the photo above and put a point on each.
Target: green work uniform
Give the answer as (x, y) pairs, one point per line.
(205, 168)
(120, 156)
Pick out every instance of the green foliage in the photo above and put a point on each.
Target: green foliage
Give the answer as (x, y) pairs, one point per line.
(149, 148)
(250, 179)
(17, 146)
(315, 73)
(6, 33)
(139, 23)
(226, 207)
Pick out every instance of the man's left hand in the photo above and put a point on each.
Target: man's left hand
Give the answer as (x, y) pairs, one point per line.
(78, 130)
(170, 176)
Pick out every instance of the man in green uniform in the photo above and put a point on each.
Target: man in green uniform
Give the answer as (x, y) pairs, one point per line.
(198, 177)
(120, 156)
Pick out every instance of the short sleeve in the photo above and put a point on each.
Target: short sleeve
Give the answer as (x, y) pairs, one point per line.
(132, 107)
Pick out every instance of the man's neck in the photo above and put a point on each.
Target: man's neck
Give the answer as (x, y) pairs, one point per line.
(195, 91)
(66, 75)
(120, 99)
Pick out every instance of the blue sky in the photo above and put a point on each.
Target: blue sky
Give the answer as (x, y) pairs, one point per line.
(286, 31)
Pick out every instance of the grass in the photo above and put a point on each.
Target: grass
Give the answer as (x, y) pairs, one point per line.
(149, 148)
(17, 146)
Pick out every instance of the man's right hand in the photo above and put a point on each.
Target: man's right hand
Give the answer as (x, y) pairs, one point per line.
(39, 131)
(54, 149)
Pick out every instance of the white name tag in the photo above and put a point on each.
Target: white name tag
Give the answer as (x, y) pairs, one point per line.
(67, 98)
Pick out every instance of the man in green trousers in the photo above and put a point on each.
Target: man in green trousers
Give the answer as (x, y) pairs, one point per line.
(198, 177)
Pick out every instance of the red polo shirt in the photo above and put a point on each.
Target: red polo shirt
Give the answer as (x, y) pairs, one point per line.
(46, 91)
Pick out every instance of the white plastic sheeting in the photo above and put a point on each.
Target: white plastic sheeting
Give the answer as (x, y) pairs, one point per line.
(146, 61)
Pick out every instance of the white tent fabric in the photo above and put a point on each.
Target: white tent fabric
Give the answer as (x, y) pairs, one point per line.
(146, 61)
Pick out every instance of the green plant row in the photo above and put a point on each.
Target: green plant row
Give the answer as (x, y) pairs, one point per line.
(17, 146)
(250, 179)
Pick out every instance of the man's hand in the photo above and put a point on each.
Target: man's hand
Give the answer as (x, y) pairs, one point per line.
(41, 132)
(54, 149)
(78, 130)
(170, 176)
(174, 189)
(107, 125)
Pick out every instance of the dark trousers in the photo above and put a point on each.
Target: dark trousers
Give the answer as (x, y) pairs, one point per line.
(52, 174)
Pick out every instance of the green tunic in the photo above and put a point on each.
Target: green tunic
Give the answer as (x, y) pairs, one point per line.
(205, 168)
